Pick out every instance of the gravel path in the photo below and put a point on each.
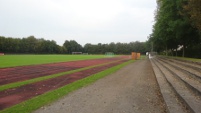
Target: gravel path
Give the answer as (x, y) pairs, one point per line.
(133, 89)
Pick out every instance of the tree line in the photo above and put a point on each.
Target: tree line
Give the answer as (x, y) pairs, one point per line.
(177, 28)
(28, 45)
(32, 45)
(117, 48)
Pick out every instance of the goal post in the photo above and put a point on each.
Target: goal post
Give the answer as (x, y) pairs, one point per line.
(109, 54)
(76, 53)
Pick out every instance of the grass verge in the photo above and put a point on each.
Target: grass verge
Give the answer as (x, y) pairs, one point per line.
(143, 57)
(21, 83)
(185, 58)
(190, 59)
(37, 102)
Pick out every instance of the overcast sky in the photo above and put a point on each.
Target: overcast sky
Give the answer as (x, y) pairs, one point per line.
(86, 21)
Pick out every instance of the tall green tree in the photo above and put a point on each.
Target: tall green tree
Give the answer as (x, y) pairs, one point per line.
(72, 46)
(172, 28)
(193, 8)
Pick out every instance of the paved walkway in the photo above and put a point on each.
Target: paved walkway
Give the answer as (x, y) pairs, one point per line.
(133, 89)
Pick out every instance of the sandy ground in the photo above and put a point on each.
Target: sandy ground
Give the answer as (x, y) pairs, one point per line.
(133, 89)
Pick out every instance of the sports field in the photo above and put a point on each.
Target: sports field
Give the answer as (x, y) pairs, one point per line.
(28, 82)
(21, 60)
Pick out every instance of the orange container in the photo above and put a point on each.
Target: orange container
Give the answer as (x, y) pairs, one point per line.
(138, 55)
(133, 56)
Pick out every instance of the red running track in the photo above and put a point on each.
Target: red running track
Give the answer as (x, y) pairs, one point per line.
(22, 73)
(14, 96)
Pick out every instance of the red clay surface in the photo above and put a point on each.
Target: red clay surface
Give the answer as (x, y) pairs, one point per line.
(14, 96)
(21, 73)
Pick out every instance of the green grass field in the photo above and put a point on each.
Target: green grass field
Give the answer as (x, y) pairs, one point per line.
(191, 59)
(21, 60)
(185, 58)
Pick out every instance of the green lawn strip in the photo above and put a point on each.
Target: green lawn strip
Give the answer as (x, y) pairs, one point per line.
(22, 60)
(143, 57)
(185, 58)
(41, 100)
(191, 59)
(21, 83)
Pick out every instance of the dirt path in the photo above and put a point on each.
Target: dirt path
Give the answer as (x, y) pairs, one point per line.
(132, 89)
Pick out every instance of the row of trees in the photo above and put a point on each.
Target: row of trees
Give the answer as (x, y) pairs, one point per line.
(33, 45)
(177, 28)
(28, 45)
(117, 48)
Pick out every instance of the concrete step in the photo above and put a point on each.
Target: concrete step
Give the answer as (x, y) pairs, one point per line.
(183, 63)
(192, 83)
(170, 99)
(194, 74)
(182, 60)
(183, 88)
